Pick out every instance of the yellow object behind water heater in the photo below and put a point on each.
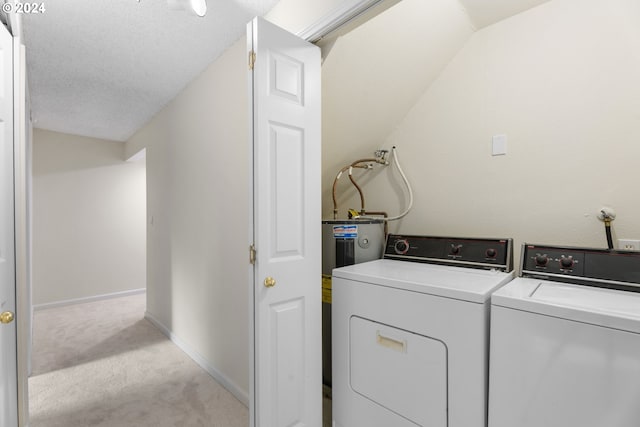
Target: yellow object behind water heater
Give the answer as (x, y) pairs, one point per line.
(326, 288)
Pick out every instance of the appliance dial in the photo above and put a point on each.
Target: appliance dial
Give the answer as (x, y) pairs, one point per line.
(566, 262)
(491, 253)
(401, 246)
(541, 260)
(455, 249)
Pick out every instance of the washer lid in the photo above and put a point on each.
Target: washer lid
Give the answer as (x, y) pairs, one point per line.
(598, 306)
(452, 282)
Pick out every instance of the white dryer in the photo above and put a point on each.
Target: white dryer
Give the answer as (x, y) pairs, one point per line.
(410, 333)
(565, 341)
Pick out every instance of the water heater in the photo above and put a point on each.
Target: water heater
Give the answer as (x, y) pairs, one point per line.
(344, 242)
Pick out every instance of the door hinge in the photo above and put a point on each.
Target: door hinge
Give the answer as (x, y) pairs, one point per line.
(252, 254)
(252, 59)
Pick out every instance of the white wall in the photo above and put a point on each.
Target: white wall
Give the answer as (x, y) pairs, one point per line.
(561, 81)
(198, 183)
(374, 75)
(88, 218)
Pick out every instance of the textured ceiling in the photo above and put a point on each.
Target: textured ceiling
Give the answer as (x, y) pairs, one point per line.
(103, 68)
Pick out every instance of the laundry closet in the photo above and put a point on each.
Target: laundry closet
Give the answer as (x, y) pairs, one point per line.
(522, 126)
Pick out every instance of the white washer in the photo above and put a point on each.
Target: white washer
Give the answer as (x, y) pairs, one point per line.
(410, 340)
(564, 354)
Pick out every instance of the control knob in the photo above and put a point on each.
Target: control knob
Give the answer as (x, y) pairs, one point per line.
(566, 262)
(491, 253)
(541, 260)
(455, 249)
(401, 246)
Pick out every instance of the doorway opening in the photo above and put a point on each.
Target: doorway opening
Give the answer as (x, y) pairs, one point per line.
(88, 247)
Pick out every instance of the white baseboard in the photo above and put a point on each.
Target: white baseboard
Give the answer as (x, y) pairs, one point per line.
(88, 299)
(233, 388)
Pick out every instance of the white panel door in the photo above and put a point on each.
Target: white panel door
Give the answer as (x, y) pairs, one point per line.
(8, 373)
(286, 285)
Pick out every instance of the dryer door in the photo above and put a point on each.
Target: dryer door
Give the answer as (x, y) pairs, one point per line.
(405, 373)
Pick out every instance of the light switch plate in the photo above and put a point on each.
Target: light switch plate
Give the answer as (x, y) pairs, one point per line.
(499, 145)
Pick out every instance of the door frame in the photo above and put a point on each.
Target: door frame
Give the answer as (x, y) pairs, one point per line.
(344, 18)
(22, 140)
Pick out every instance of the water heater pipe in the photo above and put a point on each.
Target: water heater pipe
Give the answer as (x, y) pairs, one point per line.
(362, 164)
(359, 164)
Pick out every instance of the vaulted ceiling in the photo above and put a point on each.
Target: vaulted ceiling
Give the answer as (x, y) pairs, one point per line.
(103, 68)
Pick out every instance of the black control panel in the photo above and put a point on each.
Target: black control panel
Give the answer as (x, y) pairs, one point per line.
(586, 266)
(467, 252)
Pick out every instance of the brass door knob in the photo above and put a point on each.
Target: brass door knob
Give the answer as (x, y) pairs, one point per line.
(6, 317)
(269, 282)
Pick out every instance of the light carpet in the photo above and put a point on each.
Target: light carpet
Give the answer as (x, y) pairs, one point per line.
(102, 364)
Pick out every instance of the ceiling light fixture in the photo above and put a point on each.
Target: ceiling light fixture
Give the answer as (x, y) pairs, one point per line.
(196, 7)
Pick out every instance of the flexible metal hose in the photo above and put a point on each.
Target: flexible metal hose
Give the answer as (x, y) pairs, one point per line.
(356, 164)
(608, 218)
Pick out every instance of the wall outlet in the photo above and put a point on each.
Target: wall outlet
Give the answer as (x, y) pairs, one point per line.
(629, 245)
